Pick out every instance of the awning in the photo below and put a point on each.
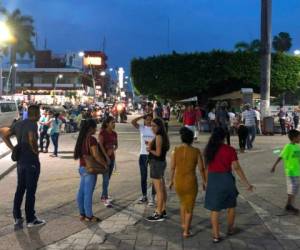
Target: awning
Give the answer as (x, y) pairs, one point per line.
(233, 96)
(191, 99)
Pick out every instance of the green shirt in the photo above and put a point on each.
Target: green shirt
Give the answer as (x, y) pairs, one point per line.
(291, 157)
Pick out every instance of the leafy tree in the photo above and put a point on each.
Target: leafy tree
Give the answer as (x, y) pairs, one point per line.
(241, 46)
(210, 74)
(282, 42)
(23, 30)
(253, 46)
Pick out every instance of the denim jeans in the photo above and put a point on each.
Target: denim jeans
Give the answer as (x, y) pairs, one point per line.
(54, 138)
(106, 179)
(251, 136)
(28, 176)
(85, 192)
(143, 162)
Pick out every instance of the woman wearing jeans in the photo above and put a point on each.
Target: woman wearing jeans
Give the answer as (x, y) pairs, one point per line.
(87, 145)
(108, 140)
(147, 136)
(54, 134)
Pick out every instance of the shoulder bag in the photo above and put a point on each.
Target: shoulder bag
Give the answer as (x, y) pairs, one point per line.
(92, 166)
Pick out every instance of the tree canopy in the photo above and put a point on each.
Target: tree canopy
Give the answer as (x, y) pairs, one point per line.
(282, 42)
(23, 30)
(253, 46)
(208, 74)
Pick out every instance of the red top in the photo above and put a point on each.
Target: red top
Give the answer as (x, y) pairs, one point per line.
(189, 118)
(223, 160)
(89, 142)
(110, 142)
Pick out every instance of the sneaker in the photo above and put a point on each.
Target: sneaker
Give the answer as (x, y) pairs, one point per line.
(290, 208)
(155, 217)
(19, 223)
(164, 214)
(151, 202)
(36, 223)
(143, 200)
(110, 198)
(107, 203)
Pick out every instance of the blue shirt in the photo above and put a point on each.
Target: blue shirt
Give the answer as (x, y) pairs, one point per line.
(55, 125)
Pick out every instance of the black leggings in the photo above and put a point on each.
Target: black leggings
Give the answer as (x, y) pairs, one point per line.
(243, 134)
(45, 135)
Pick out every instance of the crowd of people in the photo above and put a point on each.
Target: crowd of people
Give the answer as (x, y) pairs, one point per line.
(216, 163)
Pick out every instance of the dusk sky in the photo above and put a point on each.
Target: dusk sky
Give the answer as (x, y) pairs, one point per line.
(139, 28)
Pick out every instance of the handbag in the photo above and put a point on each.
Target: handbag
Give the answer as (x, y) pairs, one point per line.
(49, 131)
(92, 166)
(16, 152)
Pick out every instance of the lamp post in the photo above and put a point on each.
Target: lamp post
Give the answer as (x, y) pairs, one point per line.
(15, 65)
(5, 38)
(82, 54)
(60, 76)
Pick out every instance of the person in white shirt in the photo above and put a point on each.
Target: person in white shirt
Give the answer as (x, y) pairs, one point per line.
(212, 120)
(250, 121)
(258, 120)
(147, 136)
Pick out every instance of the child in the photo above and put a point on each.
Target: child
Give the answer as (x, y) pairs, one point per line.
(291, 157)
(242, 134)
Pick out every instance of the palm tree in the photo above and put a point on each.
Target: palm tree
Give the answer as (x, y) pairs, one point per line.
(23, 31)
(282, 42)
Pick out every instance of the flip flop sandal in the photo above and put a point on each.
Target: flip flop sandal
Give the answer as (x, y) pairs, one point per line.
(92, 219)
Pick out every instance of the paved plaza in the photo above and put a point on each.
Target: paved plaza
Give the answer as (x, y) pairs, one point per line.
(261, 221)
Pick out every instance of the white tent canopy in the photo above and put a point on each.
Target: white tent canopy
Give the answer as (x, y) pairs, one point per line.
(191, 99)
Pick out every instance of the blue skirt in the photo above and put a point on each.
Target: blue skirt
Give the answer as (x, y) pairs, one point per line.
(221, 191)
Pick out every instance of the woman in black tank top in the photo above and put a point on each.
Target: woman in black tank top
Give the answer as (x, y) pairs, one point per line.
(158, 149)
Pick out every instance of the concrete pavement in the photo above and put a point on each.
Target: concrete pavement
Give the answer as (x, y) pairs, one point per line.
(262, 222)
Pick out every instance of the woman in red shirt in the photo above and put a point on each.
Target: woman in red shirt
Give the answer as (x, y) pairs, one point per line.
(86, 144)
(108, 140)
(221, 191)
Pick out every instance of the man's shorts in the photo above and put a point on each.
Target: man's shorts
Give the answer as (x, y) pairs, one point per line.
(157, 169)
(292, 184)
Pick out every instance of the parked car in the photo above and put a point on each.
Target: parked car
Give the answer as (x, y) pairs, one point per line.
(8, 113)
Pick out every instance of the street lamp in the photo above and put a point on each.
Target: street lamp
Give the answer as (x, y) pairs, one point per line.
(297, 52)
(103, 73)
(81, 54)
(60, 76)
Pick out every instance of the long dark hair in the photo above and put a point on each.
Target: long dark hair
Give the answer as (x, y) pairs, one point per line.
(213, 145)
(56, 115)
(84, 130)
(106, 122)
(162, 131)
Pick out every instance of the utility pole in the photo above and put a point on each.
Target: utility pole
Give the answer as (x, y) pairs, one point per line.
(265, 73)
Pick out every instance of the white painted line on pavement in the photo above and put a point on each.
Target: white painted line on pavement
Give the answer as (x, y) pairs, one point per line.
(280, 228)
